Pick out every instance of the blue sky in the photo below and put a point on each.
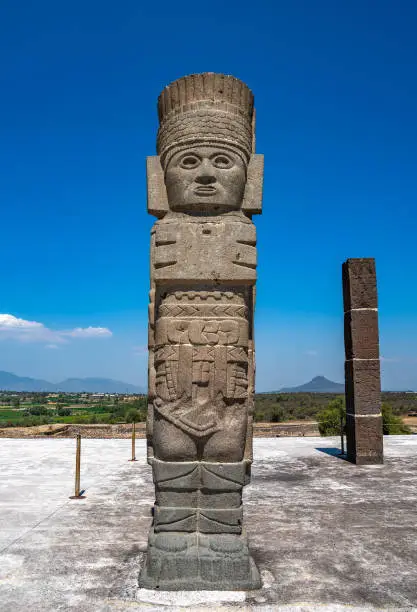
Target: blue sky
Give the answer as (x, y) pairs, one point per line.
(336, 96)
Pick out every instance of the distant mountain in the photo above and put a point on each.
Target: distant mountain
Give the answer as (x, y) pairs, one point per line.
(96, 385)
(319, 384)
(11, 382)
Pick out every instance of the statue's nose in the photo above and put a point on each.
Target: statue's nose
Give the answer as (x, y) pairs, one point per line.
(205, 173)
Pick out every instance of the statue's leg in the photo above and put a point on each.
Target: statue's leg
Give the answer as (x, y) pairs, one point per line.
(172, 545)
(228, 444)
(197, 540)
(170, 442)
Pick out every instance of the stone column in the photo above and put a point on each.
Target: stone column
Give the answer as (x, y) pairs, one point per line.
(362, 367)
(204, 186)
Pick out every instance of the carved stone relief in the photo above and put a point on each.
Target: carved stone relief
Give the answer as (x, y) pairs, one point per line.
(204, 186)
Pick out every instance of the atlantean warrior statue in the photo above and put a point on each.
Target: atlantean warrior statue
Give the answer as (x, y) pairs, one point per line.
(204, 186)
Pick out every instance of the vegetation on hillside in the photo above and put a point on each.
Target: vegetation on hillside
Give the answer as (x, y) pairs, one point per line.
(332, 420)
(28, 409)
(41, 409)
(280, 407)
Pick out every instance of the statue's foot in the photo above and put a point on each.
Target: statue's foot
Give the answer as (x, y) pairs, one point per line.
(194, 561)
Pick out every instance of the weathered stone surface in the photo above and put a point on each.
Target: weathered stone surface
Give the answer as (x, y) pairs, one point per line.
(359, 283)
(206, 249)
(157, 194)
(204, 187)
(364, 439)
(303, 504)
(363, 386)
(252, 199)
(361, 334)
(362, 366)
(203, 561)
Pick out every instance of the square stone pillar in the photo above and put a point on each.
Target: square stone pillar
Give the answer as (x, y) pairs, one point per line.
(362, 365)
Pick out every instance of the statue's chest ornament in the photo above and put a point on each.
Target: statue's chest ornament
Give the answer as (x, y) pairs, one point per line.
(201, 357)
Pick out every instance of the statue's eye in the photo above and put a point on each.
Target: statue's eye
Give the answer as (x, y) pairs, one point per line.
(222, 161)
(189, 162)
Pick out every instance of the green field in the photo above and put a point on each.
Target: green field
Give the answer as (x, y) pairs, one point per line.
(73, 411)
(269, 407)
(6, 414)
(14, 418)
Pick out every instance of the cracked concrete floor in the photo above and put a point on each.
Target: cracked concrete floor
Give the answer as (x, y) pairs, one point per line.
(326, 535)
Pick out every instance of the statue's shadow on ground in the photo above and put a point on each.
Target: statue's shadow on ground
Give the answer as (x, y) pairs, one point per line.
(333, 452)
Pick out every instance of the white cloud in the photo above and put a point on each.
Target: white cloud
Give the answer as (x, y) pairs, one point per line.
(390, 359)
(311, 353)
(51, 346)
(13, 328)
(89, 332)
(8, 321)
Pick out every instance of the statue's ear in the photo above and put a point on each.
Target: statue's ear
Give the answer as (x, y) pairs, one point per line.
(157, 193)
(252, 199)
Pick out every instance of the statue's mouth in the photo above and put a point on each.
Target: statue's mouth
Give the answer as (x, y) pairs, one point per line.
(205, 190)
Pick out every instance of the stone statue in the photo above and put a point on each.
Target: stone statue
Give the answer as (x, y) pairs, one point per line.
(204, 186)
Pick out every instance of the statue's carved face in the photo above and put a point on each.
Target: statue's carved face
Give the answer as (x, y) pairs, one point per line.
(205, 179)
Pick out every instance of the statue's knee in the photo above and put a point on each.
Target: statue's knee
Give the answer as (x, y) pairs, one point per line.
(224, 446)
(172, 444)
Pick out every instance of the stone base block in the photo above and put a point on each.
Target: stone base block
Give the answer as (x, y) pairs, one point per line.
(194, 561)
(365, 444)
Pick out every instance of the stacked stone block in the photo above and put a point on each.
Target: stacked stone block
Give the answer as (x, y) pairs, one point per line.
(362, 365)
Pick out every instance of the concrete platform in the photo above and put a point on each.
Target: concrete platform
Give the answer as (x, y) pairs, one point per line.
(326, 535)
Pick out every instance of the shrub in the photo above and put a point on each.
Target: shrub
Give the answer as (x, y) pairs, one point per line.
(44, 420)
(38, 410)
(103, 418)
(277, 415)
(139, 403)
(331, 418)
(391, 424)
(135, 416)
(63, 411)
(117, 411)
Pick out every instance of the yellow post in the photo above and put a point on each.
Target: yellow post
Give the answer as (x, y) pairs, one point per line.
(77, 494)
(78, 466)
(133, 442)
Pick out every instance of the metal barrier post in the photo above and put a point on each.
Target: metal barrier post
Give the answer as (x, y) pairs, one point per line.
(133, 443)
(78, 494)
